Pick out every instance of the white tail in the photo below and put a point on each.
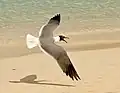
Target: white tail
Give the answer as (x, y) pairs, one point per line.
(31, 41)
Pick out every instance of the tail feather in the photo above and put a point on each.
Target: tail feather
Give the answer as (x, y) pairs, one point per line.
(31, 41)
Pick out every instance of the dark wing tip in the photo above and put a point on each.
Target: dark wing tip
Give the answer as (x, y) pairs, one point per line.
(70, 71)
(55, 18)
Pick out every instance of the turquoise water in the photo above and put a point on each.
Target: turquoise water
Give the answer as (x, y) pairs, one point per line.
(23, 11)
(18, 17)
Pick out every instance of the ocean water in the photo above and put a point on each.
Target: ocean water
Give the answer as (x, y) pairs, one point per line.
(84, 13)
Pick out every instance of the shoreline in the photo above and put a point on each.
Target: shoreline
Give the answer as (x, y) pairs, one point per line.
(17, 51)
(83, 41)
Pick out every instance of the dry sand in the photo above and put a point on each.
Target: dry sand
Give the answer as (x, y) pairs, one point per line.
(98, 66)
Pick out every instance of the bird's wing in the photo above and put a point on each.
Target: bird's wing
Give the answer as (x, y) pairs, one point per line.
(47, 29)
(62, 58)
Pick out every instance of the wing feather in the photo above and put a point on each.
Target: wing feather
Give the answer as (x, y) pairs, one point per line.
(67, 66)
(47, 29)
(62, 58)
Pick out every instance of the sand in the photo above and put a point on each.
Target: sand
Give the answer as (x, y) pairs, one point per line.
(97, 62)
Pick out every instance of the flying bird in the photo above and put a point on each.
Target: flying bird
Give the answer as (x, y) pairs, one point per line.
(46, 42)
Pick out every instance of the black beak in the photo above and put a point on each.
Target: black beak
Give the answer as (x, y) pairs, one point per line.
(63, 39)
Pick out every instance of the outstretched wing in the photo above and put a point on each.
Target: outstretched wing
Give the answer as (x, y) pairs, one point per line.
(47, 29)
(62, 58)
(67, 66)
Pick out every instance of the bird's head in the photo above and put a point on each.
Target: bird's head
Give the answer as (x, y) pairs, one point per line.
(62, 38)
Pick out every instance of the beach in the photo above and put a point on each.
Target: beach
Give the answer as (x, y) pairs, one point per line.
(93, 28)
(97, 61)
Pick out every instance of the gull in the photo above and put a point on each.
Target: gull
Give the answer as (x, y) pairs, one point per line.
(47, 44)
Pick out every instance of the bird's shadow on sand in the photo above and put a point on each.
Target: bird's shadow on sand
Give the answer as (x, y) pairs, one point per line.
(30, 79)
